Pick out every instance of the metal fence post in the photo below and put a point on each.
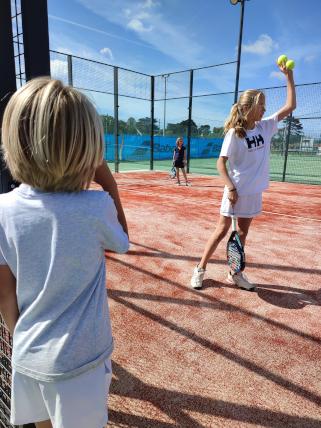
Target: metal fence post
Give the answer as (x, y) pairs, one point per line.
(8, 81)
(236, 92)
(287, 146)
(116, 106)
(34, 16)
(70, 79)
(152, 118)
(189, 129)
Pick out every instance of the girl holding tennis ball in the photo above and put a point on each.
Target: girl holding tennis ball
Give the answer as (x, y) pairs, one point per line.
(246, 147)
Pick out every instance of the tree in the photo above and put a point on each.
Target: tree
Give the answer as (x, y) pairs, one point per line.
(131, 126)
(143, 125)
(108, 123)
(296, 125)
(296, 131)
(122, 127)
(174, 129)
(184, 124)
(204, 130)
(218, 132)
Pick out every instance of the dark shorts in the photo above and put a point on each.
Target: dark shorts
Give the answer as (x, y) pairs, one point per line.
(179, 164)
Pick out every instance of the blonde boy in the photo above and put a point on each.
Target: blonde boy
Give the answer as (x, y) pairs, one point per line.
(53, 234)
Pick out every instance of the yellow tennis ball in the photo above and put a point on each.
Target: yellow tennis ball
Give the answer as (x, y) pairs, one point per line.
(282, 59)
(290, 64)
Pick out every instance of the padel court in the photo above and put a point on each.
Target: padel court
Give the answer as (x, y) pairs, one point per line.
(221, 356)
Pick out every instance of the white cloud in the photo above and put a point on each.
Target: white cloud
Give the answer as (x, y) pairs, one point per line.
(277, 75)
(59, 69)
(148, 4)
(310, 58)
(148, 22)
(137, 25)
(97, 30)
(262, 46)
(64, 44)
(107, 52)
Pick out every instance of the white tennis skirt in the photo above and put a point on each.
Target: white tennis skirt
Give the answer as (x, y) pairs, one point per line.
(247, 206)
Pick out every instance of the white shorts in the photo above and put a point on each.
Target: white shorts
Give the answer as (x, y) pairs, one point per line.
(79, 402)
(247, 206)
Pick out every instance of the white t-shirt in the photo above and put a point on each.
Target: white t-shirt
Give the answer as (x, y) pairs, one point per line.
(54, 244)
(249, 157)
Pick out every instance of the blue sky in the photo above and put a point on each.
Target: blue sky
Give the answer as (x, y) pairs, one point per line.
(158, 36)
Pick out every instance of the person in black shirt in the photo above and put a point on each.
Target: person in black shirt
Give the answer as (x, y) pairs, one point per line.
(179, 159)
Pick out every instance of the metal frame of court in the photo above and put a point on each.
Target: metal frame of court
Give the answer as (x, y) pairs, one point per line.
(74, 66)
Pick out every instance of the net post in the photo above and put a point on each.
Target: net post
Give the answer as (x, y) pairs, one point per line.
(116, 107)
(152, 118)
(70, 77)
(287, 146)
(189, 129)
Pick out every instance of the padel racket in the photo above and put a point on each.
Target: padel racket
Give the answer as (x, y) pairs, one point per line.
(234, 250)
(172, 172)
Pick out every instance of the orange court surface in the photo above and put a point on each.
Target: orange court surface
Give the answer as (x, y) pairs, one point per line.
(220, 356)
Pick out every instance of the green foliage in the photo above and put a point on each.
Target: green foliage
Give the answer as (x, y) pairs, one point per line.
(131, 126)
(142, 127)
(296, 125)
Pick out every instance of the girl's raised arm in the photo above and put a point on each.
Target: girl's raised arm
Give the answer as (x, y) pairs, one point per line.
(290, 104)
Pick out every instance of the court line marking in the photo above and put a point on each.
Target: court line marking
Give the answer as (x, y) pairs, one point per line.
(211, 203)
(292, 216)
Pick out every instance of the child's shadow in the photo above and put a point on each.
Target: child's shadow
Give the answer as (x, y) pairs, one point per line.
(283, 297)
(211, 283)
(288, 297)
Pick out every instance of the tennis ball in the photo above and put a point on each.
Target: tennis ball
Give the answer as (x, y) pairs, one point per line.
(290, 64)
(282, 59)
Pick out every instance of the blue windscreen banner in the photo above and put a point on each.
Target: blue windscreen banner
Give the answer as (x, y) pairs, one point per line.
(137, 147)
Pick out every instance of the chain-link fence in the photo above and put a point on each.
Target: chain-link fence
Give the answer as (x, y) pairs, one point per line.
(5, 375)
(118, 94)
(143, 115)
(5, 338)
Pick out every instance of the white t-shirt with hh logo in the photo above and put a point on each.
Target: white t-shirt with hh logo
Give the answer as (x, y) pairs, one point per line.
(249, 157)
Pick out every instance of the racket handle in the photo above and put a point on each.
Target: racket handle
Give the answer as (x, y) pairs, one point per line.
(233, 223)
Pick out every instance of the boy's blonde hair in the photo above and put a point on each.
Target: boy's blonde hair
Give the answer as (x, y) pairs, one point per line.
(52, 136)
(238, 118)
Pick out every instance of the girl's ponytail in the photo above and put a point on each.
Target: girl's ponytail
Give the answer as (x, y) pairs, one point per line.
(237, 121)
(239, 112)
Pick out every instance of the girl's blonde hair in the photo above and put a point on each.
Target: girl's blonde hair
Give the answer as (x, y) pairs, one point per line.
(52, 136)
(178, 139)
(238, 118)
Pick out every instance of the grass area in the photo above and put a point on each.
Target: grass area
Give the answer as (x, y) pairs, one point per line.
(300, 168)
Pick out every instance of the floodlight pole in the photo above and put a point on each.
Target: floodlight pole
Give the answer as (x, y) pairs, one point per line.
(239, 49)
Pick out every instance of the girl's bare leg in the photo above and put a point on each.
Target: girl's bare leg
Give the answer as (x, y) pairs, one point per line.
(243, 228)
(219, 233)
(177, 175)
(185, 176)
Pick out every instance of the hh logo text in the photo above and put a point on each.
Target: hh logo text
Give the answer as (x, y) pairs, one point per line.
(255, 142)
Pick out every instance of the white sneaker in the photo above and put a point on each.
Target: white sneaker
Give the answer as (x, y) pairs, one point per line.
(197, 278)
(240, 280)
